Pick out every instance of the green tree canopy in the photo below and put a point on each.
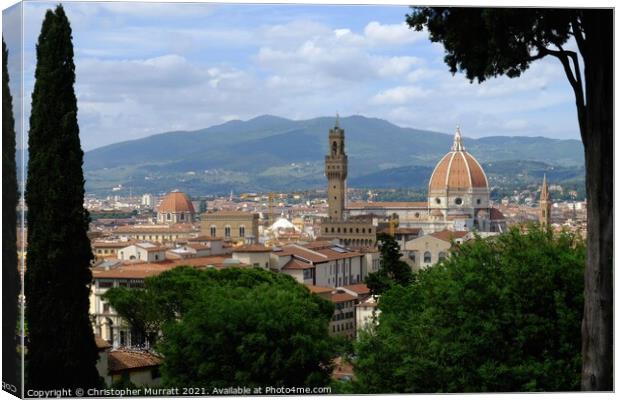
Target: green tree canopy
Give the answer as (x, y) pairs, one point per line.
(61, 351)
(392, 270)
(245, 327)
(10, 281)
(499, 315)
(487, 42)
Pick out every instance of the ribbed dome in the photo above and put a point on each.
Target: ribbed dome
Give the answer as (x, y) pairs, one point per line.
(457, 170)
(176, 202)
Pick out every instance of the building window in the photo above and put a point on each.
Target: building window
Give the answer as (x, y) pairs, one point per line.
(307, 274)
(182, 216)
(458, 201)
(227, 231)
(412, 256)
(437, 200)
(168, 216)
(156, 257)
(213, 230)
(326, 229)
(442, 256)
(478, 201)
(427, 256)
(357, 230)
(332, 230)
(417, 215)
(242, 231)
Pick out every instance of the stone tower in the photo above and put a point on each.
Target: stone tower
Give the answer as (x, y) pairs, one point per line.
(545, 204)
(336, 171)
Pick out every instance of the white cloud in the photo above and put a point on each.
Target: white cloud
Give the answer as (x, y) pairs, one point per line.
(390, 35)
(400, 95)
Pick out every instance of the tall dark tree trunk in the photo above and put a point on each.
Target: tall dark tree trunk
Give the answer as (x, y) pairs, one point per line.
(597, 327)
(61, 351)
(10, 281)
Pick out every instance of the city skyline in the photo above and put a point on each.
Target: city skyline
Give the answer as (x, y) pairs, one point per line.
(146, 68)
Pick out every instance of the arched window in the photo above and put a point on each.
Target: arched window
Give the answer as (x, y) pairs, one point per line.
(427, 256)
(357, 230)
(227, 231)
(442, 256)
(412, 256)
(326, 229)
(334, 148)
(168, 217)
(182, 216)
(242, 231)
(213, 230)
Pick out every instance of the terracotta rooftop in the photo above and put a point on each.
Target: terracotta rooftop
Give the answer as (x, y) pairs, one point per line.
(496, 214)
(176, 202)
(319, 289)
(125, 359)
(102, 344)
(341, 297)
(457, 170)
(144, 270)
(177, 228)
(386, 204)
(317, 255)
(359, 288)
(252, 248)
(449, 235)
(297, 264)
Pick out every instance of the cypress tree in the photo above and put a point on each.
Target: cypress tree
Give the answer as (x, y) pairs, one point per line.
(61, 351)
(10, 281)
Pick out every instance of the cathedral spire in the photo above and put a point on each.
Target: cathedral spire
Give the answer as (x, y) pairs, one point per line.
(544, 191)
(458, 140)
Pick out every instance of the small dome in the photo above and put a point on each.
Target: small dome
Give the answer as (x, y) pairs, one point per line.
(176, 202)
(458, 170)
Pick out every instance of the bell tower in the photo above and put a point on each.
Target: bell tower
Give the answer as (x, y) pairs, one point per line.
(336, 172)
(545, 204)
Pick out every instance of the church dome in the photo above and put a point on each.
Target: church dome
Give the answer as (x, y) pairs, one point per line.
(176, 202)
(458, 170)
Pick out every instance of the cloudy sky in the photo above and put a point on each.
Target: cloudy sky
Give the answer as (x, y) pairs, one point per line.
(145, 68)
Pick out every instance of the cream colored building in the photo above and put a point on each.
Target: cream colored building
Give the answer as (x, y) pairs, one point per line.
(320, 264)
(142, 251)
(156, 233)
(234, 226)
(427, 250)
(255, 255)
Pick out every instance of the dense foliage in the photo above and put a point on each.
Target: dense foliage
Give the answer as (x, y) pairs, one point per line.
(10, 282)
(488, 42)
(499, 315)
(61, 351)
(232, 327)
(392, 270)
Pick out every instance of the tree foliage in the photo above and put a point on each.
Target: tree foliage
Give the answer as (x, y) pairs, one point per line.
(499, 315)
(232, 327)
(62, 351)
(10, 281)
(392, 270)
(487, 42)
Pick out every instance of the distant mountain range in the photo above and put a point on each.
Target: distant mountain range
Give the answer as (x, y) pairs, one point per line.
(273, 153)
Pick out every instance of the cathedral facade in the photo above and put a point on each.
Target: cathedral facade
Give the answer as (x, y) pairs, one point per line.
(458, 199)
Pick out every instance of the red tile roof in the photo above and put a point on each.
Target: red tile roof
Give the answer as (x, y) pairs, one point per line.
(176, 202)
(252, 248)
(297, 264)
(341, 297)
(496, 214)
(144, 270)
(319, 289)
(449, 235)
(125, 359)
(387, 204)
(359, 288)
